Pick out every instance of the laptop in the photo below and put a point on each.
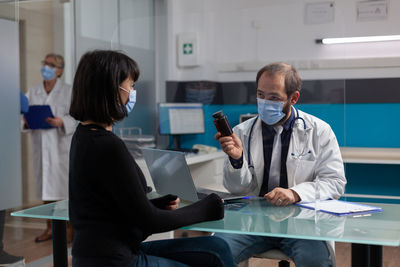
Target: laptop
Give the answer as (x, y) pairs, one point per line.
(171, 175)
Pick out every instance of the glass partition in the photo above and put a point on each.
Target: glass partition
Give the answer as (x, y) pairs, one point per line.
(10, 166)
(29, 31)
(210, 51)
(127, 26)
(10, 143)
(352, 87)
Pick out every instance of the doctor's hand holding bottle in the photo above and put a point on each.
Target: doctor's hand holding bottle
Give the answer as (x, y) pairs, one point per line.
(231, 145)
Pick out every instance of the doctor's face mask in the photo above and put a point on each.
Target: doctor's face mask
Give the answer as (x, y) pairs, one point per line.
(271, 112)
(273, 103)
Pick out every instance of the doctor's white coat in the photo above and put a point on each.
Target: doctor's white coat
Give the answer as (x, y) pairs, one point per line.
(315, 154)
(51, 146)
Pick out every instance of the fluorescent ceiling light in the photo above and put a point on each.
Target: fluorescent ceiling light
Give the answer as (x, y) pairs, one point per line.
(347, 40)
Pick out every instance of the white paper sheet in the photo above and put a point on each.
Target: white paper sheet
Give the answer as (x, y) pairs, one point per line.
(339, 207)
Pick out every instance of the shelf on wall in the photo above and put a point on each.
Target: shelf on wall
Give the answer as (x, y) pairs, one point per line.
(316, 64)
(370, 155)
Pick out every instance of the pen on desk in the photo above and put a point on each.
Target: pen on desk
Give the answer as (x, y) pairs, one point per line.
(253, 197)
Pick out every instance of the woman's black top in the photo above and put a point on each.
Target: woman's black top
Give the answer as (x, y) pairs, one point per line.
(108, 207)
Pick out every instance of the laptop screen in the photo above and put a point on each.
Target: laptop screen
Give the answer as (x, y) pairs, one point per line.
(170, 173)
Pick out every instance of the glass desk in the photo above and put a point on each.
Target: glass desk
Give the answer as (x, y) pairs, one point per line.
(366, 233)
(58, 213)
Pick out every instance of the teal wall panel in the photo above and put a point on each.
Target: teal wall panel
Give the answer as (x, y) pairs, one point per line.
(373, 179)
(361, 125)
(355, 125)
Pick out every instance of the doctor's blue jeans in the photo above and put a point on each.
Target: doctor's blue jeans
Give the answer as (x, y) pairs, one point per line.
(304, 253)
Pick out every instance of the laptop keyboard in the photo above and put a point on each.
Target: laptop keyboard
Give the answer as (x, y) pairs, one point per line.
(227, 205)
(201, 195)
(203, 192)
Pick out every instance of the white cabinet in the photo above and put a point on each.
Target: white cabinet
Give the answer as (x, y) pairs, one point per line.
(370, 155)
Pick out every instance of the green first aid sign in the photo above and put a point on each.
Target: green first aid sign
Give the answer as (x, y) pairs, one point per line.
(187, 48)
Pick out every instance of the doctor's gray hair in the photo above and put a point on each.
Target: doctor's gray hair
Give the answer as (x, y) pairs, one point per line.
(292, 78)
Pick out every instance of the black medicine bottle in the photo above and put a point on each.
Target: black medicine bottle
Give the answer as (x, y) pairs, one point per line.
(222, 124)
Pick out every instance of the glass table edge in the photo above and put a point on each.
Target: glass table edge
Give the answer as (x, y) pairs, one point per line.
(21, 214)
(353, 241)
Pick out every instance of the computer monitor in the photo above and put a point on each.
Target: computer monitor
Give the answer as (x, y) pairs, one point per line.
(245, 117)
(180, 118)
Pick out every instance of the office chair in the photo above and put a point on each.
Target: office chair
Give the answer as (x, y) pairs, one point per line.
(273, 254)
(284, 260)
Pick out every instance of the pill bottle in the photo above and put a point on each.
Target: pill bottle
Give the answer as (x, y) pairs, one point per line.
(222, 124)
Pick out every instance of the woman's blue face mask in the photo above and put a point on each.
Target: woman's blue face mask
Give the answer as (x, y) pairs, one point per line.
(132, 99)
(271, 112)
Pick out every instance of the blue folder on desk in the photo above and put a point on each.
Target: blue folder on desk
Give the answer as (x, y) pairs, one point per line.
(340, 208)
(36, 117)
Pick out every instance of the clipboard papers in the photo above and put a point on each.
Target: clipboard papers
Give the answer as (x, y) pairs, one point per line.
(340, 208)
(37, 115)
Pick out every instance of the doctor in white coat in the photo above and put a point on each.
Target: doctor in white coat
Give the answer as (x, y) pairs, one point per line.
(278, 155)
(51, 146)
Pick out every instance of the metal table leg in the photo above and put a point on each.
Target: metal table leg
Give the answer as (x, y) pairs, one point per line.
(366, 255)
(60, 255)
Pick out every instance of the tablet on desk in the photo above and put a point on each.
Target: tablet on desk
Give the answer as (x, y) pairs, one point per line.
(36, 117)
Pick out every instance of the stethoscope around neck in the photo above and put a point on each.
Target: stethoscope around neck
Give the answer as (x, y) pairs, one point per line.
(293, 154)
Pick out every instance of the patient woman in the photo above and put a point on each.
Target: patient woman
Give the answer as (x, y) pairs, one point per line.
(108, 207)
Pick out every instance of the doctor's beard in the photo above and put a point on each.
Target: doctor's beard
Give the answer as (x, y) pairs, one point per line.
(286, 109)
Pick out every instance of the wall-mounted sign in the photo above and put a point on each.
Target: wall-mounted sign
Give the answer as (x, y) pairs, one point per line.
(318, 13)
(188, 50)
(372, 10)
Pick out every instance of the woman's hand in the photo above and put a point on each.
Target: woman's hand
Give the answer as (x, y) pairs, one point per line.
(173, 205)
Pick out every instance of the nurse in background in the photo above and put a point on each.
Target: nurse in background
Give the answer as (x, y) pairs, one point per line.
(51, 146)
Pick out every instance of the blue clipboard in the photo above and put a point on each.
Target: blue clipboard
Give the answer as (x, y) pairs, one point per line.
(344, 208)
(37, 115)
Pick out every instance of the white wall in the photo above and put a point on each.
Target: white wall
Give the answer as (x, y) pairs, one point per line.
(229, 41)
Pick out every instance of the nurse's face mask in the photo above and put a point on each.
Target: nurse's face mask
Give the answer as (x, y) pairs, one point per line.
(49, 69)
(48, 73)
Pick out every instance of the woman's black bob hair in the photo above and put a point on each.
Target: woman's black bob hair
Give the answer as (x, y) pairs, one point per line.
(96, 92)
